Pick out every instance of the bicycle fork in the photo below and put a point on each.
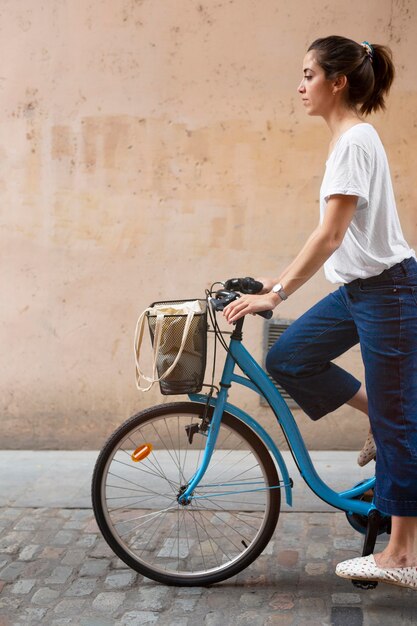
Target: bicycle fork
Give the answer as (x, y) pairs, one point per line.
(213, 431)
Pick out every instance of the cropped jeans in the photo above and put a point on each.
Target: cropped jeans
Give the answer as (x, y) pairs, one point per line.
(381, 314)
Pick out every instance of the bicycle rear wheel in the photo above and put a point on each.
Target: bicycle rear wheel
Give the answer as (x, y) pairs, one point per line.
(229, 520)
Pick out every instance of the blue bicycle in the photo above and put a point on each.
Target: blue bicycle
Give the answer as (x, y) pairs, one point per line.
(189, 493)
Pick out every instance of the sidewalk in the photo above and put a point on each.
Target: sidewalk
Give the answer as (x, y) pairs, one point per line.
(56, 569)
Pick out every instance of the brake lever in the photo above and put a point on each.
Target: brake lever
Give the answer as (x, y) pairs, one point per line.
(222, 299)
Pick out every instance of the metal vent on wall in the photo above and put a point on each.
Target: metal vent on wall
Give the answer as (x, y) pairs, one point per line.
(273, 330)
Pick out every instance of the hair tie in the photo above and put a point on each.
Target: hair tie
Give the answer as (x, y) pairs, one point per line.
(368, 49)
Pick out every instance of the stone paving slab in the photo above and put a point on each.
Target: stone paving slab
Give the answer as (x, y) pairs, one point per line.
(55, 569)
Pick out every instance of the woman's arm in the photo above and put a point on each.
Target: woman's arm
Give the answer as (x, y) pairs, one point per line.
(321, 244)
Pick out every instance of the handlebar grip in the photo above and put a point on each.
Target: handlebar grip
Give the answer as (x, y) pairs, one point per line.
(250, 285)
(244, 285)
(266, 314)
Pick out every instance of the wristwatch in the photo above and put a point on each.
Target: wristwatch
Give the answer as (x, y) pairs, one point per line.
(279, 289)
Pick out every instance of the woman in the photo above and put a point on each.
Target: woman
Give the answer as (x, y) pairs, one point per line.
(360, 243)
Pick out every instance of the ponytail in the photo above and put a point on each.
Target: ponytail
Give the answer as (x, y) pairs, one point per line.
(384, 73)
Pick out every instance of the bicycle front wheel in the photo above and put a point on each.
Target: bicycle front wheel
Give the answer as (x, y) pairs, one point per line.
(144, 467)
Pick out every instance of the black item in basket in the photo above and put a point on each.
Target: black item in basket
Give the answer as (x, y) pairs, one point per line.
(188, 374)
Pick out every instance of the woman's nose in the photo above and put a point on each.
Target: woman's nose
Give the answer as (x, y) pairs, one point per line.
(301, 87)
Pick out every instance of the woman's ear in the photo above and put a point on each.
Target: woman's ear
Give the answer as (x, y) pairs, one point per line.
(339, 83)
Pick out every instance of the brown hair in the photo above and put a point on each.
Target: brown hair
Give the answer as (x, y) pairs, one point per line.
(369, 69)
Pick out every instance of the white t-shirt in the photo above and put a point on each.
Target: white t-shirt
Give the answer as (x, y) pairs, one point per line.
(374, 241)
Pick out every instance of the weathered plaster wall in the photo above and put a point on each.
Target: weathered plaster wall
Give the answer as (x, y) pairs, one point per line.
(149, 148)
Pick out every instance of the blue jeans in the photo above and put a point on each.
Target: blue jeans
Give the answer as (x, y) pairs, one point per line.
(381, 314)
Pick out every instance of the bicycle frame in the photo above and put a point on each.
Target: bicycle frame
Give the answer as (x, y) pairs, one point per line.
(256, 379)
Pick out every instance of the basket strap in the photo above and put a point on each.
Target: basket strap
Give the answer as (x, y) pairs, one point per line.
(140, 325)
(139, 330)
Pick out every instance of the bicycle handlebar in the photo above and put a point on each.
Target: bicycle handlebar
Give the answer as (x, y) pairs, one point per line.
(225, 296)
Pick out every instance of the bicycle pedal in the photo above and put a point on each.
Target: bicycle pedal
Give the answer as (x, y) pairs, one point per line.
(364, 584)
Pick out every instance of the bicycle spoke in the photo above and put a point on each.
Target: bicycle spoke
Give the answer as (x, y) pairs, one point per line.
(149, 516)
(146, 489)
(222, 534)
(242, 473)
(138, 468)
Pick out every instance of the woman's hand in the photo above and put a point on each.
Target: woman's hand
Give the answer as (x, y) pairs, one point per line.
(250, 304)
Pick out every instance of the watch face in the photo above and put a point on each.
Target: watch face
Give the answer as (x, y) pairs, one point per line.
(280, 291)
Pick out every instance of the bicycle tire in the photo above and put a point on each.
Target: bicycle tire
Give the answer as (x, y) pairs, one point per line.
(149, 554)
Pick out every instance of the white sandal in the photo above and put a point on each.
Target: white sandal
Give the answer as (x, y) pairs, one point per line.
(368, 451)
(365, 568)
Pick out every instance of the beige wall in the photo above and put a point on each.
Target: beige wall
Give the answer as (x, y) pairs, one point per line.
(149, 148)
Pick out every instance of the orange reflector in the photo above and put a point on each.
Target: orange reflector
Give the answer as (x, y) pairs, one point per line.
(142, 452)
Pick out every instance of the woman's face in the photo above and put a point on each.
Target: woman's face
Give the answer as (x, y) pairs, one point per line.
(315, 90)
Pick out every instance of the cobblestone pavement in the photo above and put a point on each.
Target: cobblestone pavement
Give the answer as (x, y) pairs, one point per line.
(55, 568)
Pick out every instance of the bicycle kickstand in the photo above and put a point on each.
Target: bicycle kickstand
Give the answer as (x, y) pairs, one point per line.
(374, 521)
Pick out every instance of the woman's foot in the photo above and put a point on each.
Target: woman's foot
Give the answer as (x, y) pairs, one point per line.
(368, 451)
(367, 568)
